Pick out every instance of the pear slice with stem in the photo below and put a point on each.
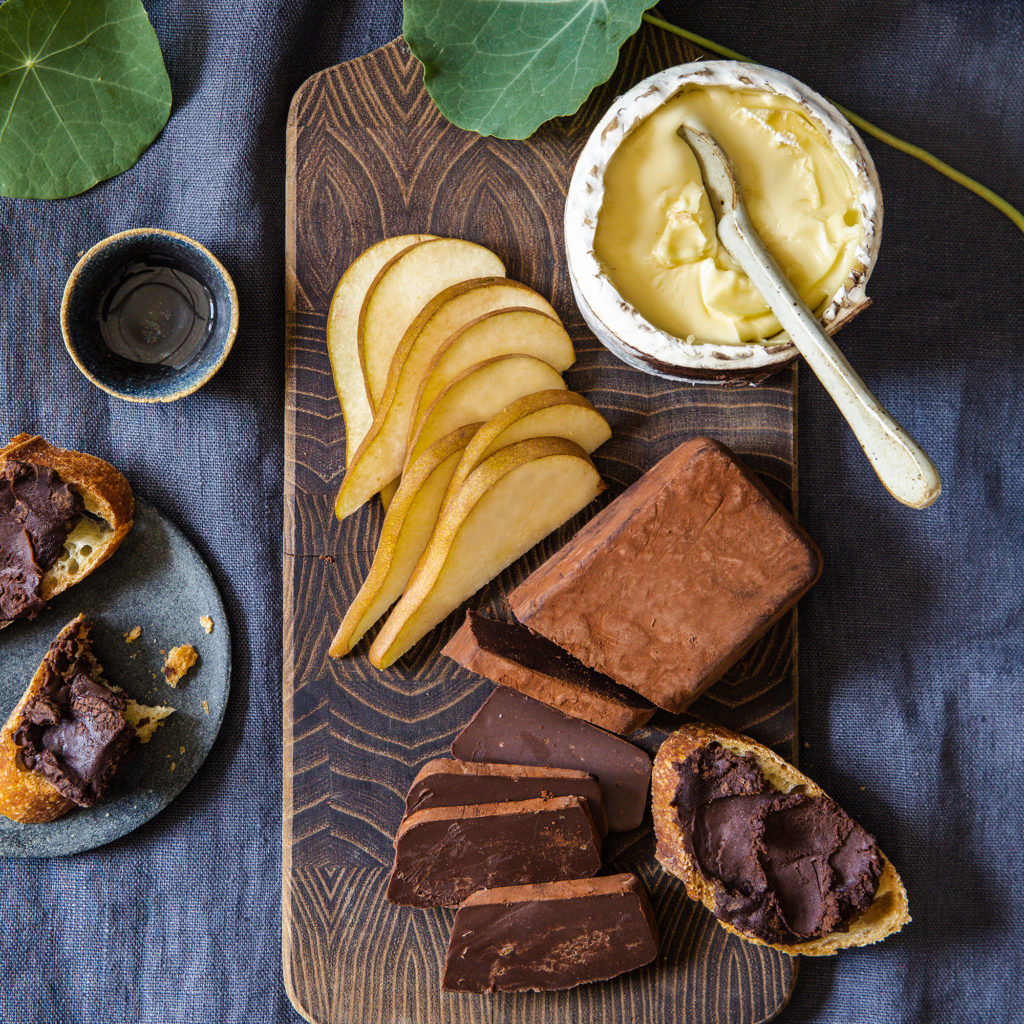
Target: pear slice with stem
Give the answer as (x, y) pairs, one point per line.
(407, 528)
(543, 414)
(480, 391)
(400, 291)
(507, 504)
(509, 332)
(343, 336)
(382, 453)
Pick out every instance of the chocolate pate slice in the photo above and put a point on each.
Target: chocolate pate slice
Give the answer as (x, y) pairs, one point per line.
(550, 937)
(513, 655)
(785, 867)
(515, 729)
(445, 782)
(445, 853)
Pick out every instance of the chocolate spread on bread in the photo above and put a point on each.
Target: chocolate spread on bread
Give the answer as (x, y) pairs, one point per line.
(785, 867)
(37, 512)
(73, 730)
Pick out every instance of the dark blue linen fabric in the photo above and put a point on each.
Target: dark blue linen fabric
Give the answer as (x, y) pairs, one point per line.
(910, 646)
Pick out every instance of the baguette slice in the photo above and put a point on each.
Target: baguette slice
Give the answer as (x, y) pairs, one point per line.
(109, 508)
(888, 912)
(26, 796)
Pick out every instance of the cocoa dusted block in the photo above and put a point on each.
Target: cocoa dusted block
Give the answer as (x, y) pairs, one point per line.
(546, 937)
(512, 655)
(444, 782)
(516, 729)
(668, 586)
(445, 853)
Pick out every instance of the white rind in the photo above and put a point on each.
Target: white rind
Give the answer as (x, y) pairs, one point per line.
(616, 323)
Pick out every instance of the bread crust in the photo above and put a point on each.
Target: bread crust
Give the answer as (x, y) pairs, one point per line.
(888, 912)
(104, 490)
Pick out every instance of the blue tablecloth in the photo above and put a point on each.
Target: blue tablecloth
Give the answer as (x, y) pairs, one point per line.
(910, 646)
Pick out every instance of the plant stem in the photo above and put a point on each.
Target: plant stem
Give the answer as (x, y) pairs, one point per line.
(889, 139)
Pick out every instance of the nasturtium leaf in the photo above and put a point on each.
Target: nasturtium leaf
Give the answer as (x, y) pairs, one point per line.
(83, 92)
(504, 67)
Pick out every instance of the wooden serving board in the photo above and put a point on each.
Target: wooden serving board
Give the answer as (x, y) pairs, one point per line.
(369, 156)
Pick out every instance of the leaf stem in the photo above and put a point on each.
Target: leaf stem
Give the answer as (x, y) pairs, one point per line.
(889, 139)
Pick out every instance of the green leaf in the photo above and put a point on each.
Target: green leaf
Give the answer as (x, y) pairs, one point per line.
(83, 92)
(504, 67)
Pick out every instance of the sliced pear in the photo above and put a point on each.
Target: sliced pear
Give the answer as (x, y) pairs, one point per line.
(511, 331)
(478, 393)
(407, 528)
(402, 288)
(382, 454)
(506, 505)
(544, 414)
(343, 337)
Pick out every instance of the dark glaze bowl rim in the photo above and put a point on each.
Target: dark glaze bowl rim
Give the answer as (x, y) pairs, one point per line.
(76, 277)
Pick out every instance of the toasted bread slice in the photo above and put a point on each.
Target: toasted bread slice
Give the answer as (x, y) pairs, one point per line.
(26, 796)
(109, 508)
(888, 912)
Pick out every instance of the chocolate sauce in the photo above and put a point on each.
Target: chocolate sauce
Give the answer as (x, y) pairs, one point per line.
(156, 313)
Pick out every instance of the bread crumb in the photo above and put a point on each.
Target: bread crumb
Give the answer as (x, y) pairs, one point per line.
(206, 622)
(206, 707)
(133, 634)
(174, 764)
(179, 661)
(181, 750)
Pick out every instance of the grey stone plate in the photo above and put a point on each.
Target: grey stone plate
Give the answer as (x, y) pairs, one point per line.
(155, 580)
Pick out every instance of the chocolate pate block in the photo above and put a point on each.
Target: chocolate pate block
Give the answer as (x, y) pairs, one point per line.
(445, 853)
(515, 729)
(513, 655)
(444, 782)
(550, 937)
(668, 586)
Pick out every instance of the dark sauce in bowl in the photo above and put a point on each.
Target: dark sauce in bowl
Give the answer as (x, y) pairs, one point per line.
(156, 313)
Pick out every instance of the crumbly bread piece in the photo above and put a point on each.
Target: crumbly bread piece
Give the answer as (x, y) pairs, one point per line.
(109, 508)
(26, 796)
(179, 661)
(888, 912)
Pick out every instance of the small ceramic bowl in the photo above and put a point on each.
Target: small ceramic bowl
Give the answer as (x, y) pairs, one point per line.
(618, 325)
(92, 279)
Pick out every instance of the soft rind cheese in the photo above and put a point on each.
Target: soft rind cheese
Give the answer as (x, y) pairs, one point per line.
(656, 230)
(615, 321)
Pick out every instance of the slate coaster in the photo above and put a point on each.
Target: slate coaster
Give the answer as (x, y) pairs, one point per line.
(158, 581)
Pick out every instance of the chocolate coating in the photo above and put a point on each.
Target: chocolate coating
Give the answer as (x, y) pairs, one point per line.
(549, 937)
(668, 586)
(447, 783)
(513, 655)
(445, 853)
(73, 730)
(37, 512)
(514, 729)
(786, 867)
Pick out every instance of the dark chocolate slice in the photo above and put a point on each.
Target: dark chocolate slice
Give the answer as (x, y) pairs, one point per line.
(549, 937)
(515, 729)
(668, 586)
(445, 853)
(512, 655)
(447, 783)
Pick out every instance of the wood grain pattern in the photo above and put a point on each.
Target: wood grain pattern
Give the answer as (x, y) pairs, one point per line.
(369, 156)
